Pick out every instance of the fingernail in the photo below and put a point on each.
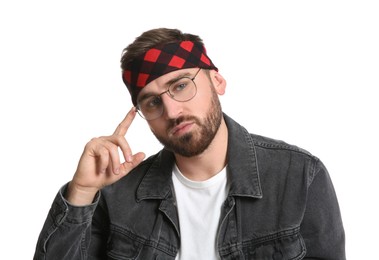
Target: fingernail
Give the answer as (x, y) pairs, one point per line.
(117, 171)
(130, 158)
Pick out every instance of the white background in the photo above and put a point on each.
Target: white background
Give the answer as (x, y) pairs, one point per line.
(302, 71)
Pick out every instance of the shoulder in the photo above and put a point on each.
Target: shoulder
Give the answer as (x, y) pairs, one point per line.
(264, 142)
(239, 134)
(274, 153)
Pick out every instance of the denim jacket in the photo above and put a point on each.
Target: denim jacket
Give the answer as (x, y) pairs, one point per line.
(281, 205)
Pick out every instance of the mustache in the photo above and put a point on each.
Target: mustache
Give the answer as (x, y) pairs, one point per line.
(174, 122)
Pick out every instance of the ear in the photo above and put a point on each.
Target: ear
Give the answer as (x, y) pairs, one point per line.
(218, 81)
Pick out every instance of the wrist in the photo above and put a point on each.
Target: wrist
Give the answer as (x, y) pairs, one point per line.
(80, 196)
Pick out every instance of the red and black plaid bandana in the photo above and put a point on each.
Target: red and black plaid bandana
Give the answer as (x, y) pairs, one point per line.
(163, 59)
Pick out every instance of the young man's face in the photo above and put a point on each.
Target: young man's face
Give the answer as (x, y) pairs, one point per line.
(187, 128)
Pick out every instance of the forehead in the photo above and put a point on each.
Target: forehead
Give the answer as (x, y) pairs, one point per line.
(161, 84)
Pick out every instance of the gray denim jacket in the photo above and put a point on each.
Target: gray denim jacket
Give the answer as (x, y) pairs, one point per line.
(281, 205)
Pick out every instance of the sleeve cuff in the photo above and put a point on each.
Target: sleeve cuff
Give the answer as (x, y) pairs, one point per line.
(64, 211)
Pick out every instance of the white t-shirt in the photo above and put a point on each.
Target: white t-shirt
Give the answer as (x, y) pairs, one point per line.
(199, 205)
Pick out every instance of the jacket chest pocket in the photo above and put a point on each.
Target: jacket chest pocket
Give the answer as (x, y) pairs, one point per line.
(124, 245)
(275, 247)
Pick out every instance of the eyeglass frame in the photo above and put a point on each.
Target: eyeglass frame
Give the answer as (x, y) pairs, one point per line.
(170, 95)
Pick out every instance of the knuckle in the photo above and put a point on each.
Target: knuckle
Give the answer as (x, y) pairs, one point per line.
(120, 138)
(95, 140)
(92, 143)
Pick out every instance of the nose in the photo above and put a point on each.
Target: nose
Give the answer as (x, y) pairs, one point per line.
(171, 108)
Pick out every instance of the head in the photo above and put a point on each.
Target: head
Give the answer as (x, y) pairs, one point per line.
(155, 65)
(160, 51)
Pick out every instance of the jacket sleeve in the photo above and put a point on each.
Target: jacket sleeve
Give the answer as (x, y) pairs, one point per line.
(322, 227)
(66, 234)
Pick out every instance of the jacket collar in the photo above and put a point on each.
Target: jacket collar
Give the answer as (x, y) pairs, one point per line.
(242, 168)
(242, 162)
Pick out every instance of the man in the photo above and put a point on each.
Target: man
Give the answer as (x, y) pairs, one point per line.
(213, 192)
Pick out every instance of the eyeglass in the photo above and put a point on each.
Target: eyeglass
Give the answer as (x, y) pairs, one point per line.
(182, 90)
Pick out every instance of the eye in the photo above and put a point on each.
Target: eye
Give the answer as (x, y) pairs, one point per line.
(152, 102)
(179, 86)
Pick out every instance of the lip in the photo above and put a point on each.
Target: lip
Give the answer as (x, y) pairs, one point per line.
(181, 128)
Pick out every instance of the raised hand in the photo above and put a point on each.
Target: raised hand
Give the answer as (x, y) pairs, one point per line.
(100, 163)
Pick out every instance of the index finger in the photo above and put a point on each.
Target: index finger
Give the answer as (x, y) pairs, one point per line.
(123, 127)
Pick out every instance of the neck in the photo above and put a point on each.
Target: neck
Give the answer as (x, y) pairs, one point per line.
(208, 163)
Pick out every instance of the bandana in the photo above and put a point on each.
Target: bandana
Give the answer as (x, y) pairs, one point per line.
(163, 59)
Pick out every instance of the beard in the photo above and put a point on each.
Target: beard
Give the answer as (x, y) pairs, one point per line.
(195, 143)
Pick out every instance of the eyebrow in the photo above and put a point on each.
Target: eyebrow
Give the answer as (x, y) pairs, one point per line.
(178, 77)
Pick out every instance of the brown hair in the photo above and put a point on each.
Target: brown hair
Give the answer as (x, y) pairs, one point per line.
(151, 38)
